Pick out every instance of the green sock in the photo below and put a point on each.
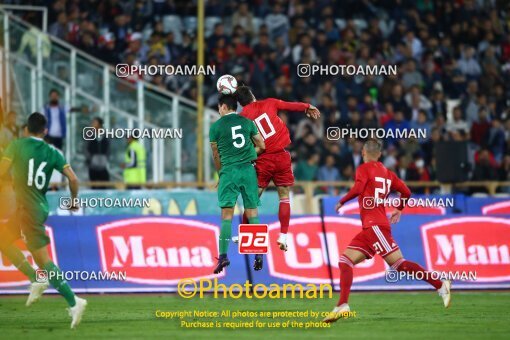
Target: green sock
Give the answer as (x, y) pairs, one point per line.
(254, 220)
(19, 261)
(225, 234)
(58, 282)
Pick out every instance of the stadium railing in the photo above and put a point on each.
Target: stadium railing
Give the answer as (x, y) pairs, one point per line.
(38, 62)
(306, 194)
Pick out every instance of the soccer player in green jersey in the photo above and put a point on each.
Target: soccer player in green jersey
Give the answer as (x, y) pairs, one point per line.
(33, 161)
(235, 143)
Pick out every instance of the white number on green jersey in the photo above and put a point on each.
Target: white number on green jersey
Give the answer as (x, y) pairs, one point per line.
(265, 134)
(236, 136)
(40, 177)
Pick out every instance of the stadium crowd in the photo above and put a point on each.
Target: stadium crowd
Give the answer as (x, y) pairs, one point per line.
(453, 59)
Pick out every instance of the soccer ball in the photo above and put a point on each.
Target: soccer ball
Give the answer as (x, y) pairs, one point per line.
(227, 84)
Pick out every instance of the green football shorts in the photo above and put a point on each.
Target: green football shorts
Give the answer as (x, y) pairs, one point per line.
(28, 225)
(238, 179)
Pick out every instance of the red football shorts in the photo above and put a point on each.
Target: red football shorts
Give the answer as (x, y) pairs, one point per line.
(276, 167)
(374, 240)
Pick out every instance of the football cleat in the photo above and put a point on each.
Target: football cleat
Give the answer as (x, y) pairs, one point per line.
(445, 292)
(282, 242)
(76, 312)
(36, 291)
(259, 262)
(337, 313)
(222, 263)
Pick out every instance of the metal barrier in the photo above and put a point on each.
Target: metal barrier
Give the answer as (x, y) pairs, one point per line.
(308, 192)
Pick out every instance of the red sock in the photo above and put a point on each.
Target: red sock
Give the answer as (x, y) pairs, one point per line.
(245, 219)
(345, 265)
(284, 215)
(403, 265)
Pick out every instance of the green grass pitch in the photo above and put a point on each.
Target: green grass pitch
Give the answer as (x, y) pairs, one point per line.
(402, 315)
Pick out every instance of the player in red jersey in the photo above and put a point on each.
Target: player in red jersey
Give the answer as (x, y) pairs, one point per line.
(275, 163)
(373, 184)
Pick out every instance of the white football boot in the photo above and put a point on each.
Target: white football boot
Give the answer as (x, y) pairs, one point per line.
(337, 313)
(76, 312)
(36, 291)
(282, 242)
(445, 292)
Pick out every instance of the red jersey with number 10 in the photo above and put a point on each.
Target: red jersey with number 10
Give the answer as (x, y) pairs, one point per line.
(265, 115)
(374, 182)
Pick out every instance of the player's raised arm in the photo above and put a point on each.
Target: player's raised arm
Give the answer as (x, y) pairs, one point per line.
(260, 146)
(359, 185)
(258, 141)
(73, 184)
(311, 111)
(405, 193)
(216, 156)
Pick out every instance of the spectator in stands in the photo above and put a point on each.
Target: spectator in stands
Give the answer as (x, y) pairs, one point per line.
(328, 172)
(422, 124)
(504, 172)
(485, 167)
(480, 128)
(417, 101)
(439, 57)
(352, 155)
(468, 64)
(469, 103)
(306, 170)
(411, 76)
(134, 165)
(307, 145)
(457, 123)
(277, 22)
(96, 155)
(402, 170)
(438, 104)
(397, 123)
(59, 28)
(29, 42)
(496, 139)
(244, 18)
(56, 114)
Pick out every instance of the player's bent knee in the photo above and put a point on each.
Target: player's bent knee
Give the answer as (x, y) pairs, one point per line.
(354, 256)
(399, 265)
(251, 213)
(283, 192)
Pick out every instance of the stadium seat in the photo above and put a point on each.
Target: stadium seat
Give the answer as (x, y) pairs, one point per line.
(209, 25)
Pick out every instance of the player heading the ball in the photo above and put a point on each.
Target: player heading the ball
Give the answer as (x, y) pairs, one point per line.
(235, 143)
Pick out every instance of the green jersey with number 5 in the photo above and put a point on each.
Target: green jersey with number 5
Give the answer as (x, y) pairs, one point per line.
(33, 162)
(232, 133)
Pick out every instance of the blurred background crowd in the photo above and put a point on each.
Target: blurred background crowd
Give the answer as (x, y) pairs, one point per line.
(453, 59)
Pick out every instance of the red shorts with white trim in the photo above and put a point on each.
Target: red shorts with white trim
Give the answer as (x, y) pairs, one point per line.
(276, 167)
(374, 240)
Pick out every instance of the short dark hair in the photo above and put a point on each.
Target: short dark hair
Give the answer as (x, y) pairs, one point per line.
(36, 123)
(244, 95)
(54, 91)
(99, 120)
(229, 100)
(373, 146)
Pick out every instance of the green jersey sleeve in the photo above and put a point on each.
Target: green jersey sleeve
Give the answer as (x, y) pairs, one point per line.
(253, 131)
(213, 138)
